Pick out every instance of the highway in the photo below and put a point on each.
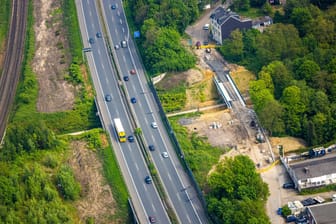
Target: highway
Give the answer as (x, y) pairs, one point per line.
(133, 166)
(181, 193)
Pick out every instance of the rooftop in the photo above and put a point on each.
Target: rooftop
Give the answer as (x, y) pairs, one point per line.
(221, 15)
(324, 213)
(315, 167)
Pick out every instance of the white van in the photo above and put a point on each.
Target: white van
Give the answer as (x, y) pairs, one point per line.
(206, 26)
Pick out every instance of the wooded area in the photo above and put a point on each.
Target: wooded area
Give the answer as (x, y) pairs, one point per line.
(161, 24)
(295, 63)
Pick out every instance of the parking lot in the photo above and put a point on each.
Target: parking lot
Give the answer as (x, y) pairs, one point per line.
(279, 197)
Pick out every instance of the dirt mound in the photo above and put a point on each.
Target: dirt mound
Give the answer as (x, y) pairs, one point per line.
(97, 200)
(288, 143)
(51, 58)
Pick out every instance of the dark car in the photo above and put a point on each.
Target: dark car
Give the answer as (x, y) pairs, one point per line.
(130, 138)
(151, 148)
(126, 78)
(152, 219)
(308, 202)
(291, 218)
(113, 7)
(288, 185)
(98, 34)
(133, 100)
(91, 40)
(148, 180)
(301, 220)
(279, 211)
(108, 98)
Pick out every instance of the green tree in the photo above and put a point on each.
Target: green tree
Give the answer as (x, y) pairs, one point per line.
(67, 184)
(294, 109)
(302, 19)
(260, 95)
(307, 70)
(241, 5)
(271, 118)
(280, 76)
(233, 47)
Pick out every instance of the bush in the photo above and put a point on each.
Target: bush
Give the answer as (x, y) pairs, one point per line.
(67, 184)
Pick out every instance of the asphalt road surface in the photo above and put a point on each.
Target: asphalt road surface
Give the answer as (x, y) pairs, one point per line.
(105, 81)
(180, 191)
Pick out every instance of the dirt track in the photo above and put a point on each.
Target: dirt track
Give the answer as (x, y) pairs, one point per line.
(13, 60)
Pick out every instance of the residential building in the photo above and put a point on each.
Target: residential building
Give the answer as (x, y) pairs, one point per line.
(223, 22)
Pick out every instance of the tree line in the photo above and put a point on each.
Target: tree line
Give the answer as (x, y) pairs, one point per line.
(295, 63)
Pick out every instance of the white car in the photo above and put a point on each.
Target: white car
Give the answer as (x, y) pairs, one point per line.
(165, 154)
(154, 125)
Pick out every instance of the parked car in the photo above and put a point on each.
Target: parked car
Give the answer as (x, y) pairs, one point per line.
(279, 211)
(289, 185)
(291, 218)
(308, 202)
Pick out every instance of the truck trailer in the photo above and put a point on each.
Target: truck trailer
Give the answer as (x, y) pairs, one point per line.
(120, 130)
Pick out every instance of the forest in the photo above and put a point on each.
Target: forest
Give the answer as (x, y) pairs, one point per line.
(162, 23)
(295, 66)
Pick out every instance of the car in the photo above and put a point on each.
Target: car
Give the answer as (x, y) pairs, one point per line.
(165, 154)
(130, 138)
(126, 78)
(124, 44)
(113, 6)
(98, 34)
(91, 40)
(108, 98)
(116, 46)
(301, 220)
(151, 148)
(152, 219)
(154, 125)
(279, 211)
(291, 218)
(132, 71)
(308, 202)
(133, 100)
(148, 180)
(288, 185)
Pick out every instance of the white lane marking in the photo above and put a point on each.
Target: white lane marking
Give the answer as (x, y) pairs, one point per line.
(99, 52)
(169, 177)
(120, 21)
(123, 30)
(136, 165)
